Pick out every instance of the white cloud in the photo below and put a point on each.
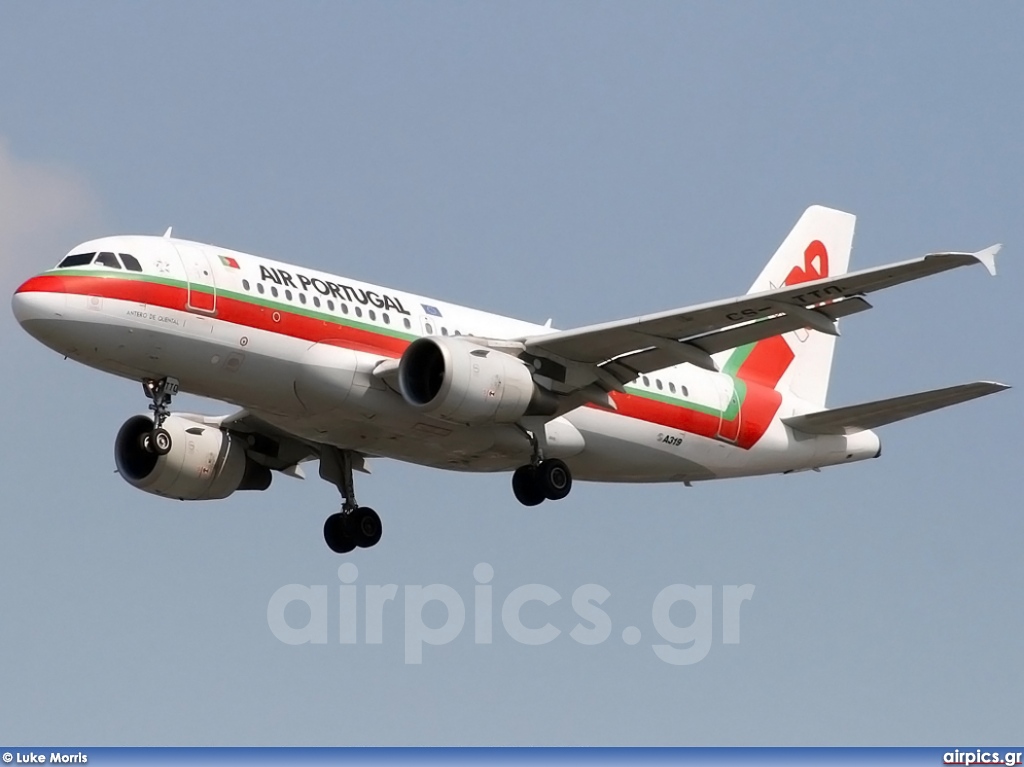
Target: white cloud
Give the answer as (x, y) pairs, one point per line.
(44, 210)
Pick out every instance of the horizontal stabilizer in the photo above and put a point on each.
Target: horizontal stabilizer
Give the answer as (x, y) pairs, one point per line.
(870, 415)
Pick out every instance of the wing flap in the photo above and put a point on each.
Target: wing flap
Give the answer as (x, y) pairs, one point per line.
(658, 357)
(870, 415)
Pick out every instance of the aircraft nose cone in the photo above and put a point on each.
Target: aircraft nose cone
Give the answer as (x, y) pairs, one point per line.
(21, 304)
(35, 304)
(25, 303)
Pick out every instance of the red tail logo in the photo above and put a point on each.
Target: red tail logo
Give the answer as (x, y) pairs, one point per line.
(770, 358)
(815, 265)
(759, 367)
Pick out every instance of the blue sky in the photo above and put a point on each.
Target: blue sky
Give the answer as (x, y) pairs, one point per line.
(581, 161)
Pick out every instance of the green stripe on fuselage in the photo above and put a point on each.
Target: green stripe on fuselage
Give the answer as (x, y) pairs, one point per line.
(731, 368)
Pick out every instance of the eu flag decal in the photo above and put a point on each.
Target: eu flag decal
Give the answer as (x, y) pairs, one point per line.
(433, 311)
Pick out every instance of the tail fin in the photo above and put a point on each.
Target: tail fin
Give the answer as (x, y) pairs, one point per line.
(818, 246)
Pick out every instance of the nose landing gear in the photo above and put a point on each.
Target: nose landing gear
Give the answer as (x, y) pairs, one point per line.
(158, 441)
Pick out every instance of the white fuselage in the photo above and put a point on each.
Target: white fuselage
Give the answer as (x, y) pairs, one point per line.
(299, 349)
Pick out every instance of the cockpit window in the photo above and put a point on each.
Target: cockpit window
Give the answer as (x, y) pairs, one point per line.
(108, 259)
(77, 259)
(131, 263)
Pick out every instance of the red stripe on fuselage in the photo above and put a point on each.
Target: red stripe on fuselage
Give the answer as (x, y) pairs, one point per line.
(245, 313)
(756, 413)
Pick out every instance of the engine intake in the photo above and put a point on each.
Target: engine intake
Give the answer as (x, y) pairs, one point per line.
(460, 381)
(204, 463)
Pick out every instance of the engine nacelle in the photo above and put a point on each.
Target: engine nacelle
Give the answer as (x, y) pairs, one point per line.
(460, 381)
(204, 463)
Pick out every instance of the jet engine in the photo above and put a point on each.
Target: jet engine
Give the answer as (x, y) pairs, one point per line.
(457, 380)
(204, 462)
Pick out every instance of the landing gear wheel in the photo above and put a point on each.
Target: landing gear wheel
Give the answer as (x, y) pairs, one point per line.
(366, 526)
(338, 533)
(554, 479)
(354, 525)
(160, 441)
(526, 487)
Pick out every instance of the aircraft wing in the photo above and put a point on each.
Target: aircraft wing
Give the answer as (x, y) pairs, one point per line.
(870, 415)
(267, 444)
(626, 348)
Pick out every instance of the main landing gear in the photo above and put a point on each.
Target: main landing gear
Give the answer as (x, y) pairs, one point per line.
(546, 480)
(158, 441)
(543, 478)
(354, 525)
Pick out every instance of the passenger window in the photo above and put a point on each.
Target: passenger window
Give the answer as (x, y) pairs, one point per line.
(647, 381)
(373, 314)
(429, 328)
(131, 263)
(302, 298)
(684, 391)
(408, 325)
(245, 284)
(273, 291)
(386, 318)
(359, 311)
(444, 331)
(259, 287)
(316, 301)
(108, 259)
(658, 382)
(344, 308)
(671, 387)
(458, 332)
(288, 295)
(330, 304)
(79, 259)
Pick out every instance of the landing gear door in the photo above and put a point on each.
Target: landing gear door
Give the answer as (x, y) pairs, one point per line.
(202, 285)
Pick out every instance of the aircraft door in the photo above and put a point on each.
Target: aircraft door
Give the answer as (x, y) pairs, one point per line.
(202, 285)
(729, 425)
(704, 394)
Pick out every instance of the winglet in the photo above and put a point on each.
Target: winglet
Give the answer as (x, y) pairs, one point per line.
(988, 257)
(167, 234)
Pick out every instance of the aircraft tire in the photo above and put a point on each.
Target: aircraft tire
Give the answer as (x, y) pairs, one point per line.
(367, 527)
(160, 441)
(338, 534)
(554, 479)
(526, 487)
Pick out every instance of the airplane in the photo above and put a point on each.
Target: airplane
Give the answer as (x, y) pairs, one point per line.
(328, 368)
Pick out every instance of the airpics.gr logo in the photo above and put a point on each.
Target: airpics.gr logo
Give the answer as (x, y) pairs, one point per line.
(528, 614)
(980, 756)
